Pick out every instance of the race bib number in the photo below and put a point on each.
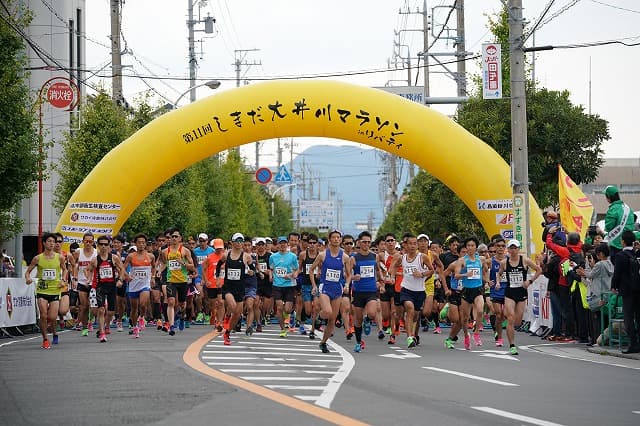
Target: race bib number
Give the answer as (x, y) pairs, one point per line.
(106, 272)
(367, 271)
(280, 271)
(332, 275)
(140, 274)
(308, 269)
(475, 273)
(503, 278)
(174, 265)
(515, 279)
(49, 274)
(408, 270)
(201, 259)
(233, 274)
(263, 266)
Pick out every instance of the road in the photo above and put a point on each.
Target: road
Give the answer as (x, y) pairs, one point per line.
(192, 378)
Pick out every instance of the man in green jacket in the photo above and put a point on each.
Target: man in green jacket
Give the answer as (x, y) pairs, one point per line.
(619, 218)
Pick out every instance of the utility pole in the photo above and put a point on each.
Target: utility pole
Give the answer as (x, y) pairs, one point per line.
(425, 52)
(519, 154)
(116, 54)
(193, 63)
(240, 55)
(460, 50)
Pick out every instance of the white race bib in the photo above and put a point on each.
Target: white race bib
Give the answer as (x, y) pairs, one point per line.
(475, 273)
(408, 270)
(140, 274)
(333, 275)
(49, 274)
(515, 279)
(233, 274)
(174, 265)
(106, 272)
(367, 271)
(280, 271)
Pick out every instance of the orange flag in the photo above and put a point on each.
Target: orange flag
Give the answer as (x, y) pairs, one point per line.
(575, 208)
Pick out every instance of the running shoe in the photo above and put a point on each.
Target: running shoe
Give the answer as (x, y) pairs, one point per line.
(513, 350)
(467, 342)
(90, 327)
(131, 331)
(259, 328)
(107, 331)
(448, 343)
(349, 335)
(55, 339)
(324, 348)
(495, 336)
(417, 339)
(366, 325)
(437, 330)
(411, 342)
(141, 322)
(388, 330)
(136, 333)
(119, 326)
(103, 338)
(362, 344)
(200, 318)
(476, 339)
(159, 325)
(380, 335)
(303, 331)
(225, 322)
(46, 344)
(338, 323)
(238, 326)
(357, 347)
(283, 333)
(180, 324)
(165, 327)
(209, 319)
(219, 328)
(172, 331)
(392, 340)
(78, 327)
(499, 343)
(227, 338)
(312, 335)
(187, 324)
(85, 332)
(249, 331)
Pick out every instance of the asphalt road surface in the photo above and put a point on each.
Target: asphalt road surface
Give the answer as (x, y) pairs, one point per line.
(192, 378)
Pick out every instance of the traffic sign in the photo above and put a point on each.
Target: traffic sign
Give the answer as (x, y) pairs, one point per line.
(282, 176)
(61, 95)
(263, 176)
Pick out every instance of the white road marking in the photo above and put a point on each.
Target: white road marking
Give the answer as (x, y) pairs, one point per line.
(505, 356)
(285, 348)
(336, 381)
(514, 416)
(306, 397)
(292, 387)
(636, 412)
(470, 376)
(229, 357)
(267, 353)
(401, 356)
(282, 379)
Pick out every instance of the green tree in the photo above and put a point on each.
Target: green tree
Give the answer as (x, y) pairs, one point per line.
(20, 159)
(558, 133)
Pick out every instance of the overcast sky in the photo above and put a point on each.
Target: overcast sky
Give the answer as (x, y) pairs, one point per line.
(300, 37)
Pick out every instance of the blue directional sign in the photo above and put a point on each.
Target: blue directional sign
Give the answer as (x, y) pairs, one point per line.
(283, 176)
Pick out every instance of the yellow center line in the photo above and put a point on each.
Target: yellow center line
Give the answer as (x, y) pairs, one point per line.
(192, 358)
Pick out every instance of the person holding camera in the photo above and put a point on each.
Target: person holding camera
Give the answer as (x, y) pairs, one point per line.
(599, 276)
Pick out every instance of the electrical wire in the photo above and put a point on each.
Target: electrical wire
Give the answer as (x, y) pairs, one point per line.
(615, 7)
(559, 12)
(538, 22)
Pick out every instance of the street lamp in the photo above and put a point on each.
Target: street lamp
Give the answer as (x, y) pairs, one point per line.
(273, 207)
(211, 84)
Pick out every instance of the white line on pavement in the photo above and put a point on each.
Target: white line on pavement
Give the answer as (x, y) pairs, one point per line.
(266, 353)
(470, 376)
(514, 416)
(283, 379)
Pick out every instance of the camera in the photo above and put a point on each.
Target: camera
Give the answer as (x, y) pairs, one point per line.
(592, 232)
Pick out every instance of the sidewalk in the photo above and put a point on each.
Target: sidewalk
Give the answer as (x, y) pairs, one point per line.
(612, 351)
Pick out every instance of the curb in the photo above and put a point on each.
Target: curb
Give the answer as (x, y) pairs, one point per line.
(602, 351)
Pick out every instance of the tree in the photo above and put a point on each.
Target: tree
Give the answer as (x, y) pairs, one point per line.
(20, 159)
(558, 133)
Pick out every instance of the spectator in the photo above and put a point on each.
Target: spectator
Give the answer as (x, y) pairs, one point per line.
(619, 218)
(622, 282)
(599, 276)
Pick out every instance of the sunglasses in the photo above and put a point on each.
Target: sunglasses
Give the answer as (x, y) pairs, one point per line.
(58, 241)
(313, 242)
(103, 244)
(348, 243)
(365, 241)
(175, 236)
(203, 241)
(390, 241)
(492, 252)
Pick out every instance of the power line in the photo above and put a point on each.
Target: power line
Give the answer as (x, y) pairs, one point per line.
(538, 22)
(616, 7)
(559, 12)
(455, 3)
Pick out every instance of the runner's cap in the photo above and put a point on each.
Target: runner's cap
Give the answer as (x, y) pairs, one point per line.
(217, 243)
(513, 242)
(203, 236)
(423, 236)
(283, 238)
(237, 238)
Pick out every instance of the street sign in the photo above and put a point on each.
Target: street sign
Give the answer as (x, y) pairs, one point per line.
(491, 71)
(61, 95)
(317, 214)
(263, 175)
(283, 176)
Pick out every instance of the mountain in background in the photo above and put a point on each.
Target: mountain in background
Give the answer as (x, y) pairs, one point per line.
(352, 177)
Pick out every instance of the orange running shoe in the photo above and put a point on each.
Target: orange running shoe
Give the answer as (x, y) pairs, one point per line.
(46, 344)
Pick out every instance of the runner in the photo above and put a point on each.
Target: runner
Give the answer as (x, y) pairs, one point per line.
(386, 255)
(109, 273)
(51, 270)
(452, 289)
(415, 269)
(498, 284)
(265, 287)
(346, 314)
(156, 283)
(236, 267)
(82, 259)
(121, 292)
(367, 281)
(139, 276)
(65, 298)
(335, 266)
(305, 260)
(284, 267)
(251, 286)
(201, 252)
(213, 283)
(472, 270)
(515, 295)
(176, 260)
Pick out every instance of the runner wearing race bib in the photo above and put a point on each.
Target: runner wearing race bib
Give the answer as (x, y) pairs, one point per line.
(142, 264)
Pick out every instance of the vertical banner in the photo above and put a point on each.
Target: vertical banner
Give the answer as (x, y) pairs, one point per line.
(575, 208)
(538, 310)
(491, 71)
(17, 302)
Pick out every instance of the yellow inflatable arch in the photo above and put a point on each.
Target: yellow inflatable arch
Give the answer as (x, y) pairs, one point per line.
(468, 166)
